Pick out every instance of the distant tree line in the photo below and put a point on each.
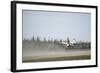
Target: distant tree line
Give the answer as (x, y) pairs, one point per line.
(56, 41)
(37, 39)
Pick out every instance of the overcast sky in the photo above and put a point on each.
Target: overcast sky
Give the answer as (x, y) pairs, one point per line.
(56, 25)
